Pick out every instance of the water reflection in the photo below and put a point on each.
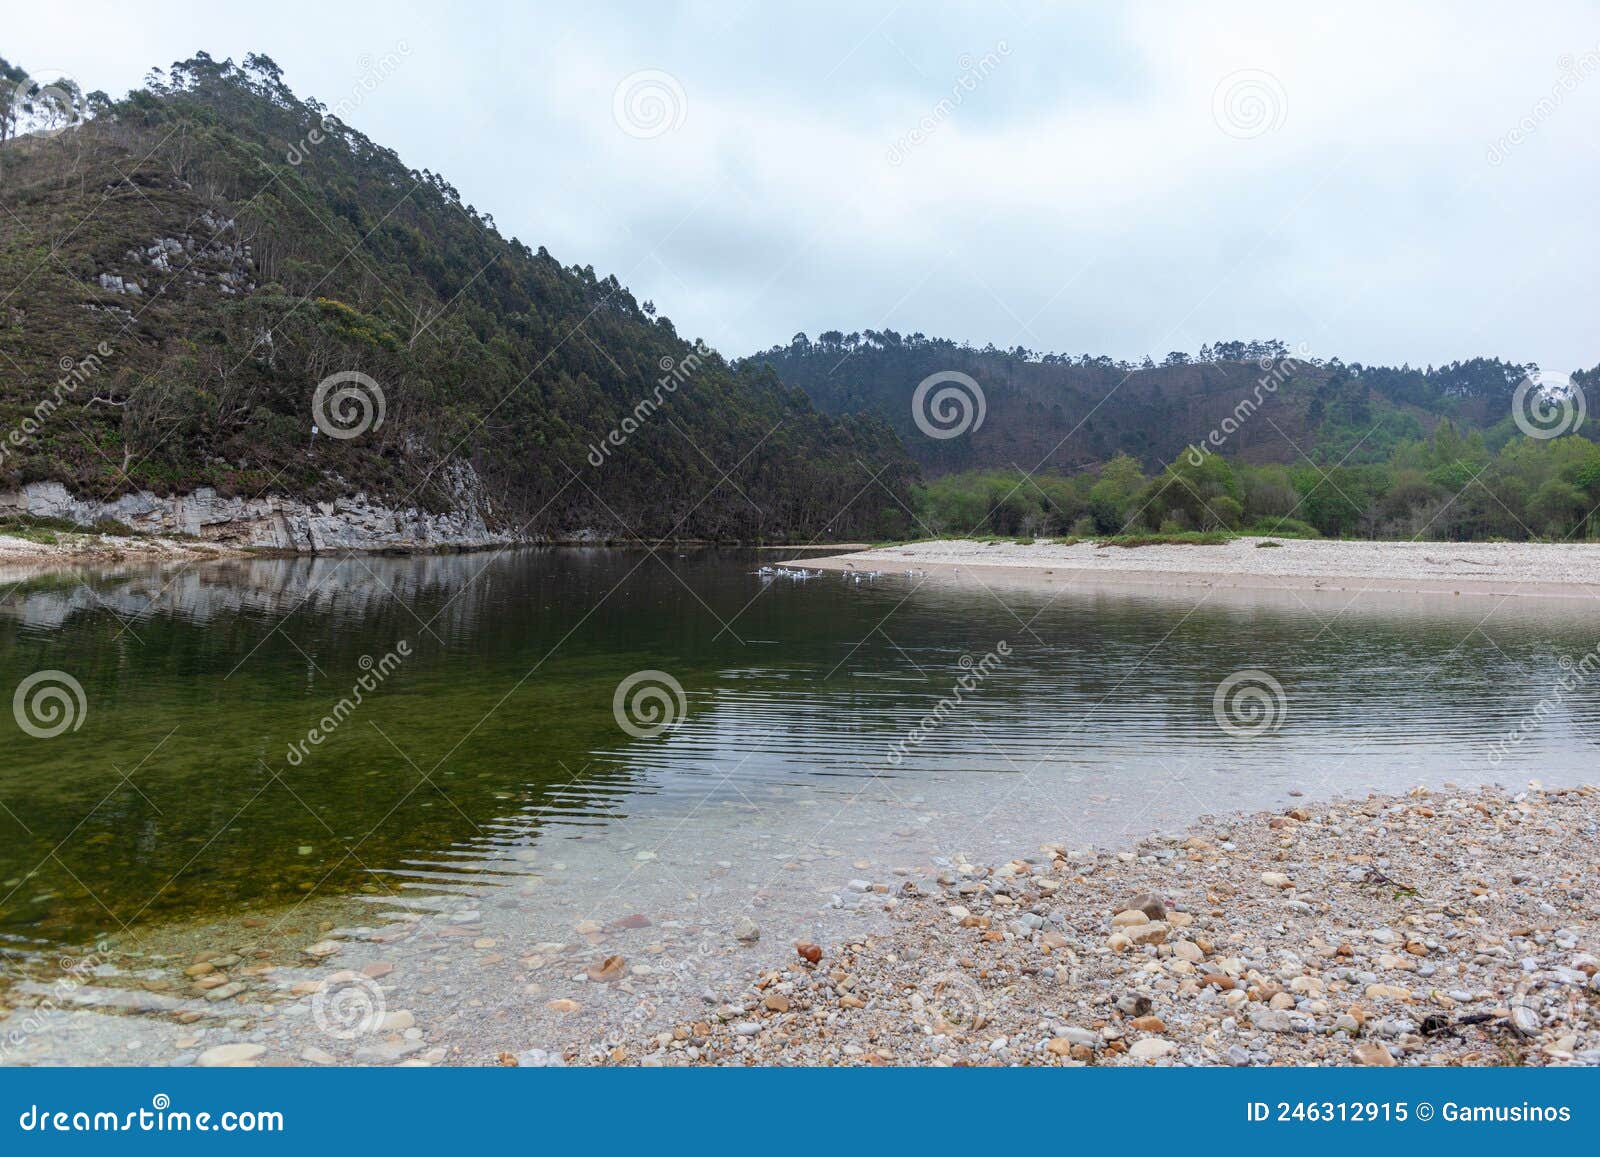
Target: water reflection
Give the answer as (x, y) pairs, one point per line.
(176, 798)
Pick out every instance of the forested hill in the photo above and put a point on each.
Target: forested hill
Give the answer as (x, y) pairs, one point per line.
(181, 268)
(1065, 413)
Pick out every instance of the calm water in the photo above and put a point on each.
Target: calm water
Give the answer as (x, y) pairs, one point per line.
(176, 797)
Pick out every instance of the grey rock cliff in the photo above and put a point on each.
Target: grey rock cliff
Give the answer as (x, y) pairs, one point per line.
(276, 522)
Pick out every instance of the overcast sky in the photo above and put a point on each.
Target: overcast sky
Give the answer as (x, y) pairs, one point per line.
(1386, 182)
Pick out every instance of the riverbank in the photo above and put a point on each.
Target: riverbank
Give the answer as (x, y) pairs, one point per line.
(1438, 568)
(39, 551)
(1441, 929)
(46, 550)
(278, 522)
(1450, 928)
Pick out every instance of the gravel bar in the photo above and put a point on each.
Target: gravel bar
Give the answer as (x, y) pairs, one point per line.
(1453, 928)
(1443, 568)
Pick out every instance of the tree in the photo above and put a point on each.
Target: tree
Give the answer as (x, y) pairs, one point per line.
(29, 105)
(12, 77)
(1558, 508)
(1204, 494)
(1112, 496)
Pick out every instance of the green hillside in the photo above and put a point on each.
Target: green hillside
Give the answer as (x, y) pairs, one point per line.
(181, 268)
(1243, 435)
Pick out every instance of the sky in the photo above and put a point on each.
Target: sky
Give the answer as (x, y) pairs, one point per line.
(1386, 182)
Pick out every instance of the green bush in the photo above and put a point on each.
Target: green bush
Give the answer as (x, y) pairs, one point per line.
(1283, 528)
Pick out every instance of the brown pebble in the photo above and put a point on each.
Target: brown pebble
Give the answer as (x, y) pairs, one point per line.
(1149, 903)
(1374, 1053)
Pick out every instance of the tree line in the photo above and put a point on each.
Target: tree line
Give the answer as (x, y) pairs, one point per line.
(1449, 485)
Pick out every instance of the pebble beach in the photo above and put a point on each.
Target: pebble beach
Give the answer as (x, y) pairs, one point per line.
(1457, 928)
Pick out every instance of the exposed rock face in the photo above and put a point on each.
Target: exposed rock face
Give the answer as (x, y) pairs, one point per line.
(275, 522)
(220, 256)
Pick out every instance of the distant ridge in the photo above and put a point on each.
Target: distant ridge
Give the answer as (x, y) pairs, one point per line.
(1061, 413)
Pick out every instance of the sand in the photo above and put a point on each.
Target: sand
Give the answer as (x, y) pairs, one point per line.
(1545, 570)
